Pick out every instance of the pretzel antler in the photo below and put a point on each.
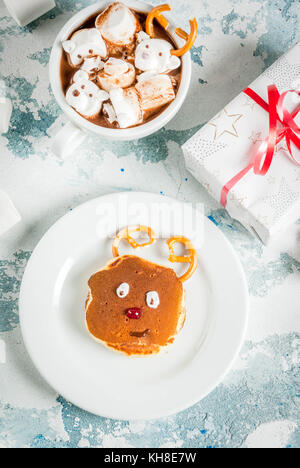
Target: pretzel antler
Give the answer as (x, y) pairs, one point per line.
(189, 38)
(125, 234)
(192, 258)
(157, 13)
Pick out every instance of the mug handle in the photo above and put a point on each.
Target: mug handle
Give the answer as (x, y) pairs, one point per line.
(67, 140)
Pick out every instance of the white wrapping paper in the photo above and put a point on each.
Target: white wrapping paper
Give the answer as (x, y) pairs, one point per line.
(225, 145)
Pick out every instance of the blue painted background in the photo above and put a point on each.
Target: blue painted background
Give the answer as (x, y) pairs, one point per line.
(259, 400)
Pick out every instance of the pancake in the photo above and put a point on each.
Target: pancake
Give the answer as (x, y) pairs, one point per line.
(135, 306)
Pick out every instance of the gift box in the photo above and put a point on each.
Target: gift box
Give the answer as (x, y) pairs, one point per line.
(248, 155)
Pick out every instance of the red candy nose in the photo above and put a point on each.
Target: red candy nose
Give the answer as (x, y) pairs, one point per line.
(134, 313)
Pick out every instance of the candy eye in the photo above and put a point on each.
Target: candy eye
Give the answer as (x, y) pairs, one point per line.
(152, 299)
(123, 290)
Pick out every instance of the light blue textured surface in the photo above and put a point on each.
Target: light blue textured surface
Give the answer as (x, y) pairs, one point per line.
(259, 401)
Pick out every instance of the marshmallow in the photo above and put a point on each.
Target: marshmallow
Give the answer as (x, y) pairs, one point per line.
(145, 76)
(84, 43)
(5, 114)
(115, 66)
(142, 36)
(116, 74)
(109, 113)
(118, 25)
(92, 66)
(127, 107)
(155, 55)
(85, 96)
(9, 216)
(24, 12)
(155, 92)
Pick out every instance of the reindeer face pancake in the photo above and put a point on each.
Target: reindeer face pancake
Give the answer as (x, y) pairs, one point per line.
(146, 317)
(136, 306)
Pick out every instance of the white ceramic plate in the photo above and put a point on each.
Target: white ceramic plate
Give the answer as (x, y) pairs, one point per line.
(100, 380)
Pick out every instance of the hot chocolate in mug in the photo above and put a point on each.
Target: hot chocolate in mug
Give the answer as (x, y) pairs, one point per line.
(75, 131)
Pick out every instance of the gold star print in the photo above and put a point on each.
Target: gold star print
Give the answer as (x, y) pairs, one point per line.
(240, 200)
(282, 147)
(265, 220)
(297, 171)
(206, 186)
(249, 102)
(217, 173)
(271, 179)
(255, 137)
(225, 123)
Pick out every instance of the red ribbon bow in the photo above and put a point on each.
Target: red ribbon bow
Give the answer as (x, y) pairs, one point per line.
(288, 129)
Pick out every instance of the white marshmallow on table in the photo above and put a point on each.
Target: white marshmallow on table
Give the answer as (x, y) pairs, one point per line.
(85, 96)
(5, 114)
(118, 25)
(126, 107)
(116, 73)
(154, 55)
(9, 216)
(26, 11)
(84, 43)
(155, 91)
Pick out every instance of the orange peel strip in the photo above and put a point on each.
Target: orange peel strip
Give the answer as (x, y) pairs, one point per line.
(181, 33)
(157, 13)
(162, 21)
(125, 234)
(191, 258)
(190, 38)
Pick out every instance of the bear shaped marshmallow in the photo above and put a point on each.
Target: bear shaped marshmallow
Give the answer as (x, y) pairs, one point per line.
(154, 55)
(85, 96)
(84, 43)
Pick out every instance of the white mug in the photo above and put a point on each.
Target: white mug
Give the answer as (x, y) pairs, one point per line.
(72, 134)
(26, 11)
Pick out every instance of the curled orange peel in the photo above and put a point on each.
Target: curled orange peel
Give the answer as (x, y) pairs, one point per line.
(189, 38)
(156, 13)
(126, 235)
(191, 258)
